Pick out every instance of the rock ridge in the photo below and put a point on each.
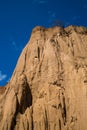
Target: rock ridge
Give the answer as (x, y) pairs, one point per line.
(48, 88)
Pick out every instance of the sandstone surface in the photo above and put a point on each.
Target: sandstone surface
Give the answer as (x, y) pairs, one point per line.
(48, 88)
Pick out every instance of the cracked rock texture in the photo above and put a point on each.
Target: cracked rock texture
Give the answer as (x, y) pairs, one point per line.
(48, 89)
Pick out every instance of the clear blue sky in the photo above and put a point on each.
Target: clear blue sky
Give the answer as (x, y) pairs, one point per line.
(18, 17)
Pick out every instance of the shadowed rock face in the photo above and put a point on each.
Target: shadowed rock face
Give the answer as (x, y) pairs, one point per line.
(48, 89)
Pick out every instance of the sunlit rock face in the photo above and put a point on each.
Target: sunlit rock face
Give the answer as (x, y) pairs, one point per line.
(48, 89)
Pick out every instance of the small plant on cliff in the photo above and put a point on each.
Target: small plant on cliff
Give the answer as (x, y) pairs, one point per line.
(58, 23)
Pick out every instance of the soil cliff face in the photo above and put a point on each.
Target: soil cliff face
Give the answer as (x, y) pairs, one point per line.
(48, 89)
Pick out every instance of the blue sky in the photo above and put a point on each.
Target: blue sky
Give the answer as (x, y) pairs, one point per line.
(17, 18)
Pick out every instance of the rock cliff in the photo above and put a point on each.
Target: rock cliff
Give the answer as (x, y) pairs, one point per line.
(48, 89)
